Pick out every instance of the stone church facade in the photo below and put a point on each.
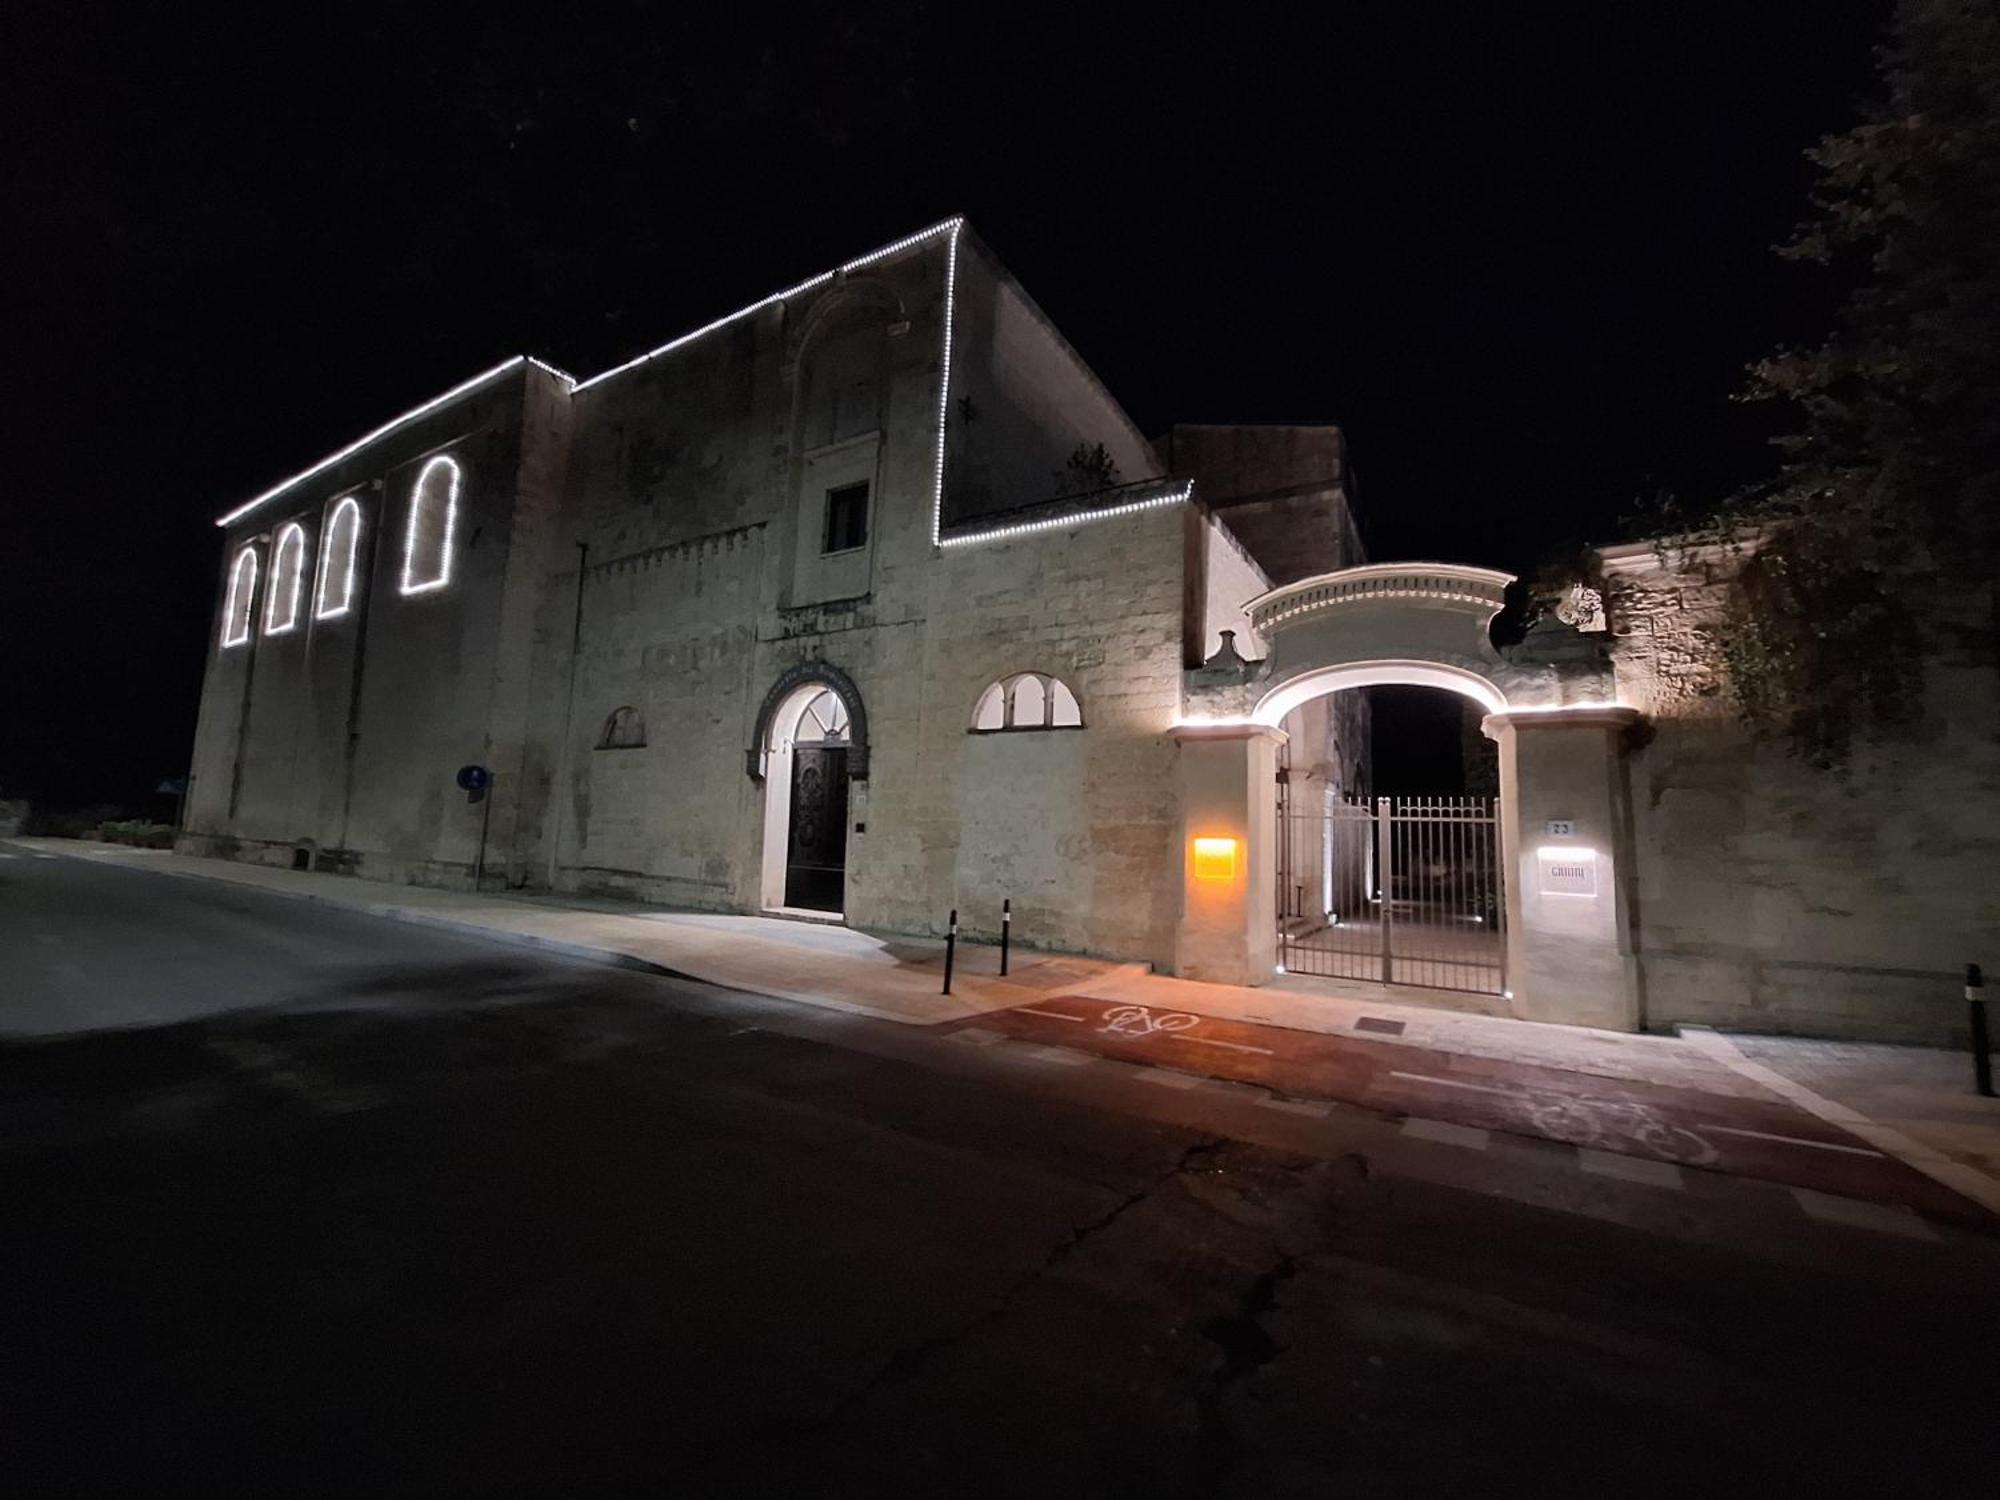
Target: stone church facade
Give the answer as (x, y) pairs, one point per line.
(869, 602)
(811, 609)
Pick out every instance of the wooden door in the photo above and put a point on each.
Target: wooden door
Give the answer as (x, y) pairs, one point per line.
(816, 852)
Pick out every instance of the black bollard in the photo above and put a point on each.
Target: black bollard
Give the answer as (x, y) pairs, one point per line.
(1982, 1053)
(950, 949)
(1006, 928)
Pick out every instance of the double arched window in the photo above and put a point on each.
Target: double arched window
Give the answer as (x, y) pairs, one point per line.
(433, 519)
(1028, 700)
(339, 550)
(241, 600)
(285, 592)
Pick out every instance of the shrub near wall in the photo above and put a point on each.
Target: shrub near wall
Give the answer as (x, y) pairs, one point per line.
(137, 832)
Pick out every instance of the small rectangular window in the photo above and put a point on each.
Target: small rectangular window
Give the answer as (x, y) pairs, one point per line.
(846, 518)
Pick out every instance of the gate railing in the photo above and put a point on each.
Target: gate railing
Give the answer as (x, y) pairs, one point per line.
(1401, 890)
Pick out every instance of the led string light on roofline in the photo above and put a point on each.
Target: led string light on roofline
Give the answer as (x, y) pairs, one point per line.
(288, 570)
(347, 513)
(541, 364)
(1083, 518)
(418, 492)
(383, 431)
(951, 226)
(944, 379)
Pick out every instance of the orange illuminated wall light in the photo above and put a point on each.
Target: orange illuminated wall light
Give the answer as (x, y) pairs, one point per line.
(1215, 859)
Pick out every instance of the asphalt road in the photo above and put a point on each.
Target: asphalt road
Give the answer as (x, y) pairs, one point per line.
(298, 1201)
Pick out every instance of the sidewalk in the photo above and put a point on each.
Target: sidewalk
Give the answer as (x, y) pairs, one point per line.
(814, 963)
(1915, 1104)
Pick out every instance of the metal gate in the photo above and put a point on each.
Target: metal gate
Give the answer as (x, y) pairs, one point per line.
(1401, 890)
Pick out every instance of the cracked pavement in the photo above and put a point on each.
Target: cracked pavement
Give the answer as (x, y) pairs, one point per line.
(387, 1211)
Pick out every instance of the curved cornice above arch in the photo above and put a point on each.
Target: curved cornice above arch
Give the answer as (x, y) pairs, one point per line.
(817, 674)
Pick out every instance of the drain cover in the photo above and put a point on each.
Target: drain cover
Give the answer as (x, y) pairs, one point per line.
(1378, 1024)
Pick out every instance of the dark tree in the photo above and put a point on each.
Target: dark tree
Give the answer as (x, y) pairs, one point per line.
(1881, 520)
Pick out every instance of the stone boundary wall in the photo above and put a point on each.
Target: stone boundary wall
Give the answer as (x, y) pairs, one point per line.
(1774, 897)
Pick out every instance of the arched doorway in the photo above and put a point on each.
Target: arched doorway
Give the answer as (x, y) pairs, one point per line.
(1561, 824)
(811, 742)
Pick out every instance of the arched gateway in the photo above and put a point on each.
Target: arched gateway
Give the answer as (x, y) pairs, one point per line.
(1563, 822)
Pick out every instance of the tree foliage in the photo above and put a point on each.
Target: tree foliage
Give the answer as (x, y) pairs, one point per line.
(1087, 470)
(1884, 505)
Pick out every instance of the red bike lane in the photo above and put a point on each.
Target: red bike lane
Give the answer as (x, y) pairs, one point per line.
(1746, 1136)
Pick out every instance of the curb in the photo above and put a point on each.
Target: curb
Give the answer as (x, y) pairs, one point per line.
(1967, 1182)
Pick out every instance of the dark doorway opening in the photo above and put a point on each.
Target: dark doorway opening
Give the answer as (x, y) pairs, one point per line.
(816, 849)
(1427, 743)
(1394, 875)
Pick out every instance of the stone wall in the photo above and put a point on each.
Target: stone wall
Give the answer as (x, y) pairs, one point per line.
(1283, 491)
(1078, 828)
(638, 562)
(340, 737)
(1231, 578)
(1774, 897)
(1022, 400)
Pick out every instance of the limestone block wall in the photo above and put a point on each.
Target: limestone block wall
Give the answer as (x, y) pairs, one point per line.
(341, 735)
(1078, 828)
(671, 634)
(1022, 399)
(1230, 580)
(1283, 490)
(695, 489)
(1774, 897)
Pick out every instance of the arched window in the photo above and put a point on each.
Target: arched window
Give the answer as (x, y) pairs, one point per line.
(625, 729)
(283, 595)
(241, 599)
(339, 550)
(1028, 700)
(823, 721)
(433, 519)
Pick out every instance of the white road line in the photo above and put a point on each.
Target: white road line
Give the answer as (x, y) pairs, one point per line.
(1054, 1015)
(1318, 1110)
(977, 1036)
(1069, 1057)
(1789, 1140)
(1630, 1168)
(1167, 1078)
(1446, 1133)
(1852, 1213)
(1232, 1046)
(1956, 1175)
(1457, 1083)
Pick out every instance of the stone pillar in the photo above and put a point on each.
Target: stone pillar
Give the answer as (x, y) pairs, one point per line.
(1228, 932)
(1566, 851)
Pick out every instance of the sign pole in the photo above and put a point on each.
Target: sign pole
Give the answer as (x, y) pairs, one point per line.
(1982, 1048)
(485, 818)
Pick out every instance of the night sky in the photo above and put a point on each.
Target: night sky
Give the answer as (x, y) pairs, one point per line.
(1520, 252)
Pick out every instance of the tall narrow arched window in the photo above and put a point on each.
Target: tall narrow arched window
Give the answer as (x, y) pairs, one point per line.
(1027, 700)
(433, 519)
(285, 592)
(339, 552)
(241, 599)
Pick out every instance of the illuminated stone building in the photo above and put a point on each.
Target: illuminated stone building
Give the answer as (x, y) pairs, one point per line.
(868, 601)
(734, 626)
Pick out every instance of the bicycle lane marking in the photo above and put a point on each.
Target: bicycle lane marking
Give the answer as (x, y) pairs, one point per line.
(1743, 1135)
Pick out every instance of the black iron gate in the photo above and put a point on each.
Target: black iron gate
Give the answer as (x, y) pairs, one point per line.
(1400, 890)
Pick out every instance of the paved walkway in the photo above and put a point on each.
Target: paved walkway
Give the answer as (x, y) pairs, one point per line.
(1914, 1104)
